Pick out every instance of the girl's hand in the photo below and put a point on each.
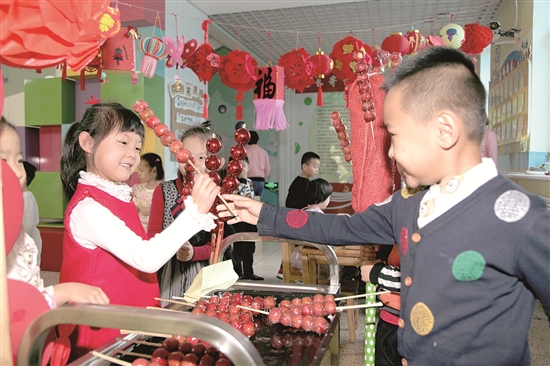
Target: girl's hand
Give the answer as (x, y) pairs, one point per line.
(185, 253)
(70, 292)
(204, 192)
(248, 209)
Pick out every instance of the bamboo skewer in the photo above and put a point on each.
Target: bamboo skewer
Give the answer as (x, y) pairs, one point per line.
(217, 243)
(163, 309)
(150, 334)
(362, 295)
(190, 295)
(111, 359)
(152, 344)
(255, 310)
(174, 301)
(136, 354)
(358, 306)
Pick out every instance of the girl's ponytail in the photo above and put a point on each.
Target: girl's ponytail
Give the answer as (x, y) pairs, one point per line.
(73, 160)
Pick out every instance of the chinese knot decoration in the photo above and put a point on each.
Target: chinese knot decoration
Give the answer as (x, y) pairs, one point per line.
(269, 98)
(298, 69)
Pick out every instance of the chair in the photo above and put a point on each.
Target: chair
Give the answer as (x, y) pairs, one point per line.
(290, 274)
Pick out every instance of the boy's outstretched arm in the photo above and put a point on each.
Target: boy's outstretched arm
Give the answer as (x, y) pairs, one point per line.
(248, 209)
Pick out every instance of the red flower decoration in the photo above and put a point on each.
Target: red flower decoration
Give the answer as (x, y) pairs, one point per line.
(298, 69)
(476, 38)
(238, 70)
(45, 33)
(205, 63)
(342, 55)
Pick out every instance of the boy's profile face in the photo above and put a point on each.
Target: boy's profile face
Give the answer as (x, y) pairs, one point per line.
(413, 143)
(311, 169)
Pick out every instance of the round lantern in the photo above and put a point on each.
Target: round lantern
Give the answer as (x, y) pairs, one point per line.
(322, 66)
(417, 42)
(477, 37)
(453, 35)
(342, 55)
(154, 50)
(395, 42)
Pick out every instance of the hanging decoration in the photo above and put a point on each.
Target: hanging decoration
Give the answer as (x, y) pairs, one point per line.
(322, 66)
(435, 41)
(396, 43)
(380, 59)
(46, 33)
(154, 50)
(119, 52)
(238, 71)
(298, 69)
(344, 64)
(453, 35)
(269, 99)
(417, 42)
(476, 38)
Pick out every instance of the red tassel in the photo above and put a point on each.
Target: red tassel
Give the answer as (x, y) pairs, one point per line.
(239, 112)
(82, 80)
(205, 106)
(63, 71)
(319, 96)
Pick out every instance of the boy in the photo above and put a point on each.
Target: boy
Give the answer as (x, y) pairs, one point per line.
(296, 198)
(474, 246)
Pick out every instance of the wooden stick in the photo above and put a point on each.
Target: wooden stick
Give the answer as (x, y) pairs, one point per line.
(111, 359)
(133, 354)
(362, 295)
(190, 295)
(163, 309)
(358, 306)
(152, 344)
(233, 212)
(218, 242)
(150, 334)
(174, 301)
(255, 310)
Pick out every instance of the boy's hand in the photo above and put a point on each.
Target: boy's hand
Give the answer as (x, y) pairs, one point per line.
(204, 192)
(248, 209)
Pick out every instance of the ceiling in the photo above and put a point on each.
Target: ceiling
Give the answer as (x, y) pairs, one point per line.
(269, 28)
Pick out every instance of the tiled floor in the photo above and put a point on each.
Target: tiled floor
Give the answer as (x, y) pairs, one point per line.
(267, 261)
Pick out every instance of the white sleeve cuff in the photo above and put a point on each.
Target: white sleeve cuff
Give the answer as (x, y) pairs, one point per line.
(205, 221)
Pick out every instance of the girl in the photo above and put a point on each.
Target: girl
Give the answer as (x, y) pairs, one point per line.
(22, 260)
(317, 197)
(180, 271)
(151, 173)
(105, 243)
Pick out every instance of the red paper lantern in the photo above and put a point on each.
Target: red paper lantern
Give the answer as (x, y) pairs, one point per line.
(298, 69)
(322, 66)
(417, 42)
(269, 99)
(477, 37)
(342, 55)
(239, 71)
(395, 42)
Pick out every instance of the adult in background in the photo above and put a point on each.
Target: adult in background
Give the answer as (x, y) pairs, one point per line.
(258, 164)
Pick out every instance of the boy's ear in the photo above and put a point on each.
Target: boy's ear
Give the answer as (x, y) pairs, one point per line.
(448, 130)
(222, 162)
(86, 142)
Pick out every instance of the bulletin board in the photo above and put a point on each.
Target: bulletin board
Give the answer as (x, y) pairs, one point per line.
(508, 112)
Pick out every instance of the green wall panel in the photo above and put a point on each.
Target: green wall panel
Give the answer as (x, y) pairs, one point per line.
(49, 101)
(47, 190)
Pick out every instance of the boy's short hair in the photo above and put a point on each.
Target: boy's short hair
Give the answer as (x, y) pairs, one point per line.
(306, 158)
(441, 78)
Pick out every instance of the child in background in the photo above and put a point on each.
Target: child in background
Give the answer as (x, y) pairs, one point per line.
(151, 173)
(317, 195)
(473, 245)
(104, 243)
(310, 163)
(243, 251)
(30, 211)
(22, 260)
(179, 272)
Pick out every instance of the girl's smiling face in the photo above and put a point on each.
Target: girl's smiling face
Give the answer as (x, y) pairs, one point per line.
(197, 147)
(10, 152)
(115, 157)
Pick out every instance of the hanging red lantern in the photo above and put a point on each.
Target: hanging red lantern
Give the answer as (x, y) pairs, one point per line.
(239, 71)
(417, 42)
(395, 42)
(477, 37)
(269, 98)
(298, 69)
(342, 55)
(322, 66)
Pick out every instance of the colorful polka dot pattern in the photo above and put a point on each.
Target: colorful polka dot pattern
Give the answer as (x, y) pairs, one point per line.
(468, 266)
(404, 241)
(422, 319)
(370, 328)
(296, 219)
(512, 206)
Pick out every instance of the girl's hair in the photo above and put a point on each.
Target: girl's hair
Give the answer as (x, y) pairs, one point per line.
(4, 124)
(317, 191)
(31, 172)
(99, 121)
(154, 161)
(203, 131)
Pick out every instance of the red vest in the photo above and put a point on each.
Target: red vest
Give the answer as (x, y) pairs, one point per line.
(123, 284)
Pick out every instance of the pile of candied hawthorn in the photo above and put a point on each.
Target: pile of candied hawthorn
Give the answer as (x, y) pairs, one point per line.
(184, 351)
(305, 313)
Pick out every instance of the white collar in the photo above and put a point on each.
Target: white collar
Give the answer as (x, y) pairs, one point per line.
(121, 190)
